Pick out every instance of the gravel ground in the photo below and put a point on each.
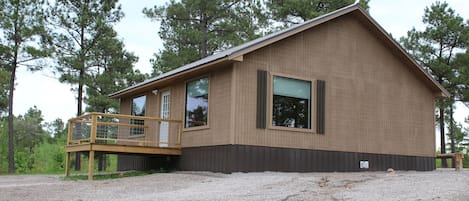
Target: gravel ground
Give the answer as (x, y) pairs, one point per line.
(401, 185)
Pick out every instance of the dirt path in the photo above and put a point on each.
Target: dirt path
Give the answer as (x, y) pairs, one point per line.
(401, 185)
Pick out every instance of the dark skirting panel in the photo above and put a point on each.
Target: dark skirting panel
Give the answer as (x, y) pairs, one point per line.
(244, 158)
(146, 162)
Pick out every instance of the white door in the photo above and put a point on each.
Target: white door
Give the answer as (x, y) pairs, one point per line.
(164, 114)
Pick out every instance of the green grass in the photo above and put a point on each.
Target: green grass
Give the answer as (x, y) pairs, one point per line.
(111, 168)
(438, 162)
(115, 175)
(449, 161)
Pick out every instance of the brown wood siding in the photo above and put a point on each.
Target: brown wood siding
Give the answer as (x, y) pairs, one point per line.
(219, 119)
(150, 110)
(374, 103)
(125, 107)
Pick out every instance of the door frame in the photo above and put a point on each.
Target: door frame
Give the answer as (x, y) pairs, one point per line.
(161, 107)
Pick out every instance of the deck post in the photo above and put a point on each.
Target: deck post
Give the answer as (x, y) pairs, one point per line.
(70, 132)
(94, 128)
(67, 164)
(458, 157)
(91, 165)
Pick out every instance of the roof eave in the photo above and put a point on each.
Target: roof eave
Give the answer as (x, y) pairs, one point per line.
(166, 76)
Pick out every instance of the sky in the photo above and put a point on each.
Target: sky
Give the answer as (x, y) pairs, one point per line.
(140, 36)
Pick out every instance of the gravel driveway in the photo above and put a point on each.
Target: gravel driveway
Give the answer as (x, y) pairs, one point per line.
(401, 185)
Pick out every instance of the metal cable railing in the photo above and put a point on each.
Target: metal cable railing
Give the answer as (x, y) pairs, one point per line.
(101, 128)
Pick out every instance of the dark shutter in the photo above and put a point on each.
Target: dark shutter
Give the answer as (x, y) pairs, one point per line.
(321, 106)
(261, 99)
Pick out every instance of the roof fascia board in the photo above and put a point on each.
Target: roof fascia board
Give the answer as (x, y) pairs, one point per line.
(162, 78)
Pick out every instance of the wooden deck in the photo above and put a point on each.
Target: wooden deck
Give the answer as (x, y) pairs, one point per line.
(123, 149)
(100, 133)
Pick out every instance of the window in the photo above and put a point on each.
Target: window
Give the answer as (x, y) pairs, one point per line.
(196, 103)
(138, 109)
(291, 103)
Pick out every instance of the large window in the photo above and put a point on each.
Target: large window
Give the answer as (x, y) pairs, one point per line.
(138, 109)
(291, 103)
(196, 103)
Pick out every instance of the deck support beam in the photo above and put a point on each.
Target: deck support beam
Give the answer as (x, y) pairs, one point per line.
(91, 165)
(113, 149)
(67, 164)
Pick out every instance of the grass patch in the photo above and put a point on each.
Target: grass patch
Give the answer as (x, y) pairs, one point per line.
(115, 175)
(449, 161)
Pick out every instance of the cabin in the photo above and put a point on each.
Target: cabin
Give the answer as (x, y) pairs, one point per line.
(335, 93)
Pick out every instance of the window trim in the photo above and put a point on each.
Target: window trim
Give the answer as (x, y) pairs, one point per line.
(208, 76)
(270, 98)
(130, 120)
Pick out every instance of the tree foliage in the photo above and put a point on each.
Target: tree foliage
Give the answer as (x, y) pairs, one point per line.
(56, 128)
(29, 131)
(113, 71)
(462, 64)
(194, 29)
(38, 150)
(4, 78)
(78, 28)
(297, 11)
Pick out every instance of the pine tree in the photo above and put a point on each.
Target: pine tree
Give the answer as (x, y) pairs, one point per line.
(29, 132)
(194, 29)
(462, 65)
(291, 12)
(22, 24)
(113, 71)
(79, 26)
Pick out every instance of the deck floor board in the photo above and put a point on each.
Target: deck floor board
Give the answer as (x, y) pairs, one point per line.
(113, 148)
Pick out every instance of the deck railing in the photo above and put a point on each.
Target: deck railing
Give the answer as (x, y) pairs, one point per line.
(101, 128)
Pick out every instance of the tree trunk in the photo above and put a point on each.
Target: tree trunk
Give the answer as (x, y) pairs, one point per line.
(444, 164)
(204, 43)
(80, 78)
(14, 63)
(11, 148)
(79, 112)
(102, 162)
(451, 131)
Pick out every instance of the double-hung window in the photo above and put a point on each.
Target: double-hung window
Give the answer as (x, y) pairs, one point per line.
(196, 103)
(291, 103)
(138, 109)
